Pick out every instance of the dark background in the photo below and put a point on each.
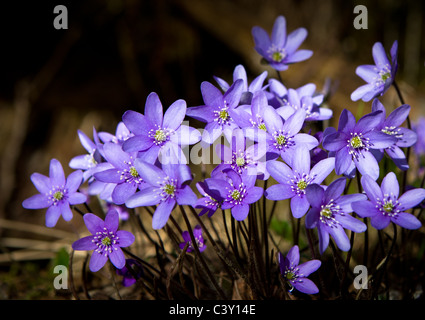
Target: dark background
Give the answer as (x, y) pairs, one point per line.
(115, 52)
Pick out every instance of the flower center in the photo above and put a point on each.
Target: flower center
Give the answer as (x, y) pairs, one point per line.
(277, 56)
(58, 195)
(169, 189)
(134, 172)
(326, 212)
(236, 195)
(160, 135)
(223, 114)
(281, 140)
(290, 275)
(240, 161)
(302, 184)
(329, 212)
(262, 126)
(356, 142)
(106, 241)
(385, 76)
(388, 207)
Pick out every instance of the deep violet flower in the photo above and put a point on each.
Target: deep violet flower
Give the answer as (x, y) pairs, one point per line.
(280, 49)
(379, 76)
(248, 90)
(130, 277)
(385, 204)
(237, 191)
(197, 233)
(119, 171)
(353, 143)
(292, 182)
(57, 193)
(391, 126)
(217, 111)
(106, 240)
(329, 213)
(295, 274)
(166, 188)
(157, 134)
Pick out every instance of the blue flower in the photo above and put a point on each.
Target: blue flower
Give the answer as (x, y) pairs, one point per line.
(166, 188)
(292, 182)
(379, 76)
(57, 193)
(329, 213)
(385, 205)
(280, 49)
(295, 274)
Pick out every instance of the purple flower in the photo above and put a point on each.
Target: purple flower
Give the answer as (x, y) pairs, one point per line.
(128, 276)
(280, 49)
(217, 111)
(379, 76)
(87, 162)
(106, 240)
(419, 147)
(56, 193)
(353, 143)
(296, 274)
(292, 183)
(281, 137)
(329, 213)
(197, 233)
(248, 90)
(385, 205)
(211, 199)
(166, 187)
(237, 191)
(120, 171)
(242, 158)
(159, 135)
(391, 126)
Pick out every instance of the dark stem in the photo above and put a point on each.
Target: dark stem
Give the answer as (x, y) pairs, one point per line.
(201, 258)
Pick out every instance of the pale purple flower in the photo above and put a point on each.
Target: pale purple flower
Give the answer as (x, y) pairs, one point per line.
(166, 188)
(280, 49)
(217, 111)
(119, 171)
(392, 126)
(129, 276)
(379, 76)
(353, 143)
(106, 240)
(330, 213)
(385, 205)
(200, 242)
(57, 193)
(121, 134)
(295, 274)
(87, 162)
(292, 182)
(248, 89)
(157, 134)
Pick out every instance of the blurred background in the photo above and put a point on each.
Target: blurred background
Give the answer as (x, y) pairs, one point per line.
(115, 52)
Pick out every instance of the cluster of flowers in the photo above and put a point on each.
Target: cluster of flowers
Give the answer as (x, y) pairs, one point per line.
(143, 163)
